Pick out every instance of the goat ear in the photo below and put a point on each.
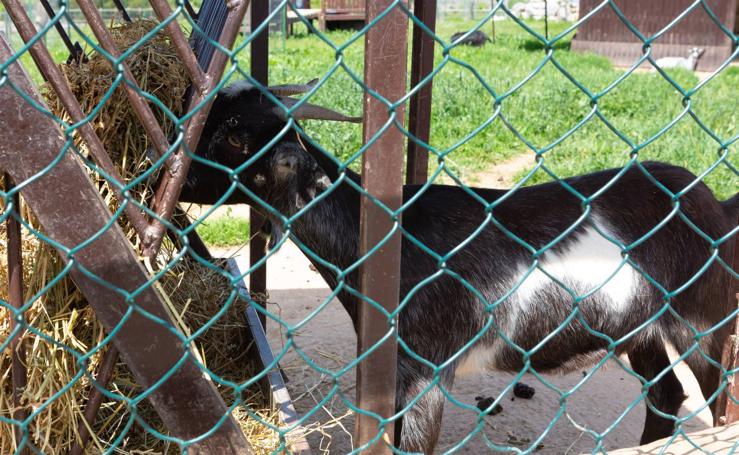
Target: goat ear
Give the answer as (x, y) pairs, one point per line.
(308, 111)
(292, 89)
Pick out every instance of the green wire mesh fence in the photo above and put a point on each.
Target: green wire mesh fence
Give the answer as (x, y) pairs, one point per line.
(365, 271)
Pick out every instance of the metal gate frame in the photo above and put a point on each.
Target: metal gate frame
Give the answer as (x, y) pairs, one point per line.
(376, 386)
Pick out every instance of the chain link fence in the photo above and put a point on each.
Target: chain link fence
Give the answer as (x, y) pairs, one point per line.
(122, 334)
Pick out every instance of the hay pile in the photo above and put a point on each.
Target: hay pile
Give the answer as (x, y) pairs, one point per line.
(158, 71)
(195, 293)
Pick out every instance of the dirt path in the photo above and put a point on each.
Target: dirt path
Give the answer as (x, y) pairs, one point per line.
(502, 175)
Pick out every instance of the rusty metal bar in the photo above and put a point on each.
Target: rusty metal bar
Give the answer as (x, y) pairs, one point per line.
(260, 72)
(105, 374)
(138, 103)
(727, 412)
(179, 41)
(72, 212)
(15, 296)
(385, 61)
(260, 43)
(419, 113)
(171, 185)
(53, 74)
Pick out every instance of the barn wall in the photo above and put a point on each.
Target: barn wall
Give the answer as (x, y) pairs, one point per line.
(607, 35)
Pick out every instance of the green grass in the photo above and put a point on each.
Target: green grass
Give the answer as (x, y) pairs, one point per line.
(542, 110)
(225, 231)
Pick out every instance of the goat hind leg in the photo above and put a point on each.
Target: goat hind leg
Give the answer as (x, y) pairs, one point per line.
(417, 431)
(650, 360)
(708, 375)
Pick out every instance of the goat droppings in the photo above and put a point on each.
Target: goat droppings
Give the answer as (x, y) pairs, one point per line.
(484, 403)
(524, 391)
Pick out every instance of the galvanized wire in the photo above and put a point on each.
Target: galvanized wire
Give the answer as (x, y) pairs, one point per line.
(723, 145)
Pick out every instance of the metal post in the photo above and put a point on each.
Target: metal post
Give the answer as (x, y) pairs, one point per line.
(15, 295)
(385, 61)
(727, 412)
(419, 116)
(260, 72)
(105, 374)
(492, 20)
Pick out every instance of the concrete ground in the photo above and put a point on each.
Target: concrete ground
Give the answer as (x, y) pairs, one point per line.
(328, 339)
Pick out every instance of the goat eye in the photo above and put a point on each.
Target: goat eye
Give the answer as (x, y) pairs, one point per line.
(233, 140)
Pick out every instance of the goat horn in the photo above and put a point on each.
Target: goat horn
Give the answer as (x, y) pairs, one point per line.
(292, 89)
(308, 111)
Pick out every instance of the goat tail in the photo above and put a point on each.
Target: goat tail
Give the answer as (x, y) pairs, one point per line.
(731, 207)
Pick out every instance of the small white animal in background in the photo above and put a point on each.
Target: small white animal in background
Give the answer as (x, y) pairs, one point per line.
(689, 63)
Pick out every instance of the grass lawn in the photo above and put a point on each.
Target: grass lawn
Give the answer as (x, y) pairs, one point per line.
(533, 115)
(225, 231)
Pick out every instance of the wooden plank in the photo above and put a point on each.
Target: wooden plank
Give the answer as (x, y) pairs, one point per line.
(71, 211)
(727, 411)
(313, 13)
(717, 441)
(606, 34)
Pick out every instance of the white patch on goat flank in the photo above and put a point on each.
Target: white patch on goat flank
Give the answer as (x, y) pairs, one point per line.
(586, 263)
(583, 265)
(236, 88)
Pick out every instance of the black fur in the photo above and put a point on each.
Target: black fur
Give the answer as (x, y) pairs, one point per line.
(445, 315)
(282, 176)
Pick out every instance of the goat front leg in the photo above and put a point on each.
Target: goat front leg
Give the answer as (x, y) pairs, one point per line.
(417, 430)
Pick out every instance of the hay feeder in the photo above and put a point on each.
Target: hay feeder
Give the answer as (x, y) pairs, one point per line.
(192, 293)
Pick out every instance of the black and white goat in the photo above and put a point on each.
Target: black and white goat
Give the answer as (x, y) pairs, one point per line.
(527, 303)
